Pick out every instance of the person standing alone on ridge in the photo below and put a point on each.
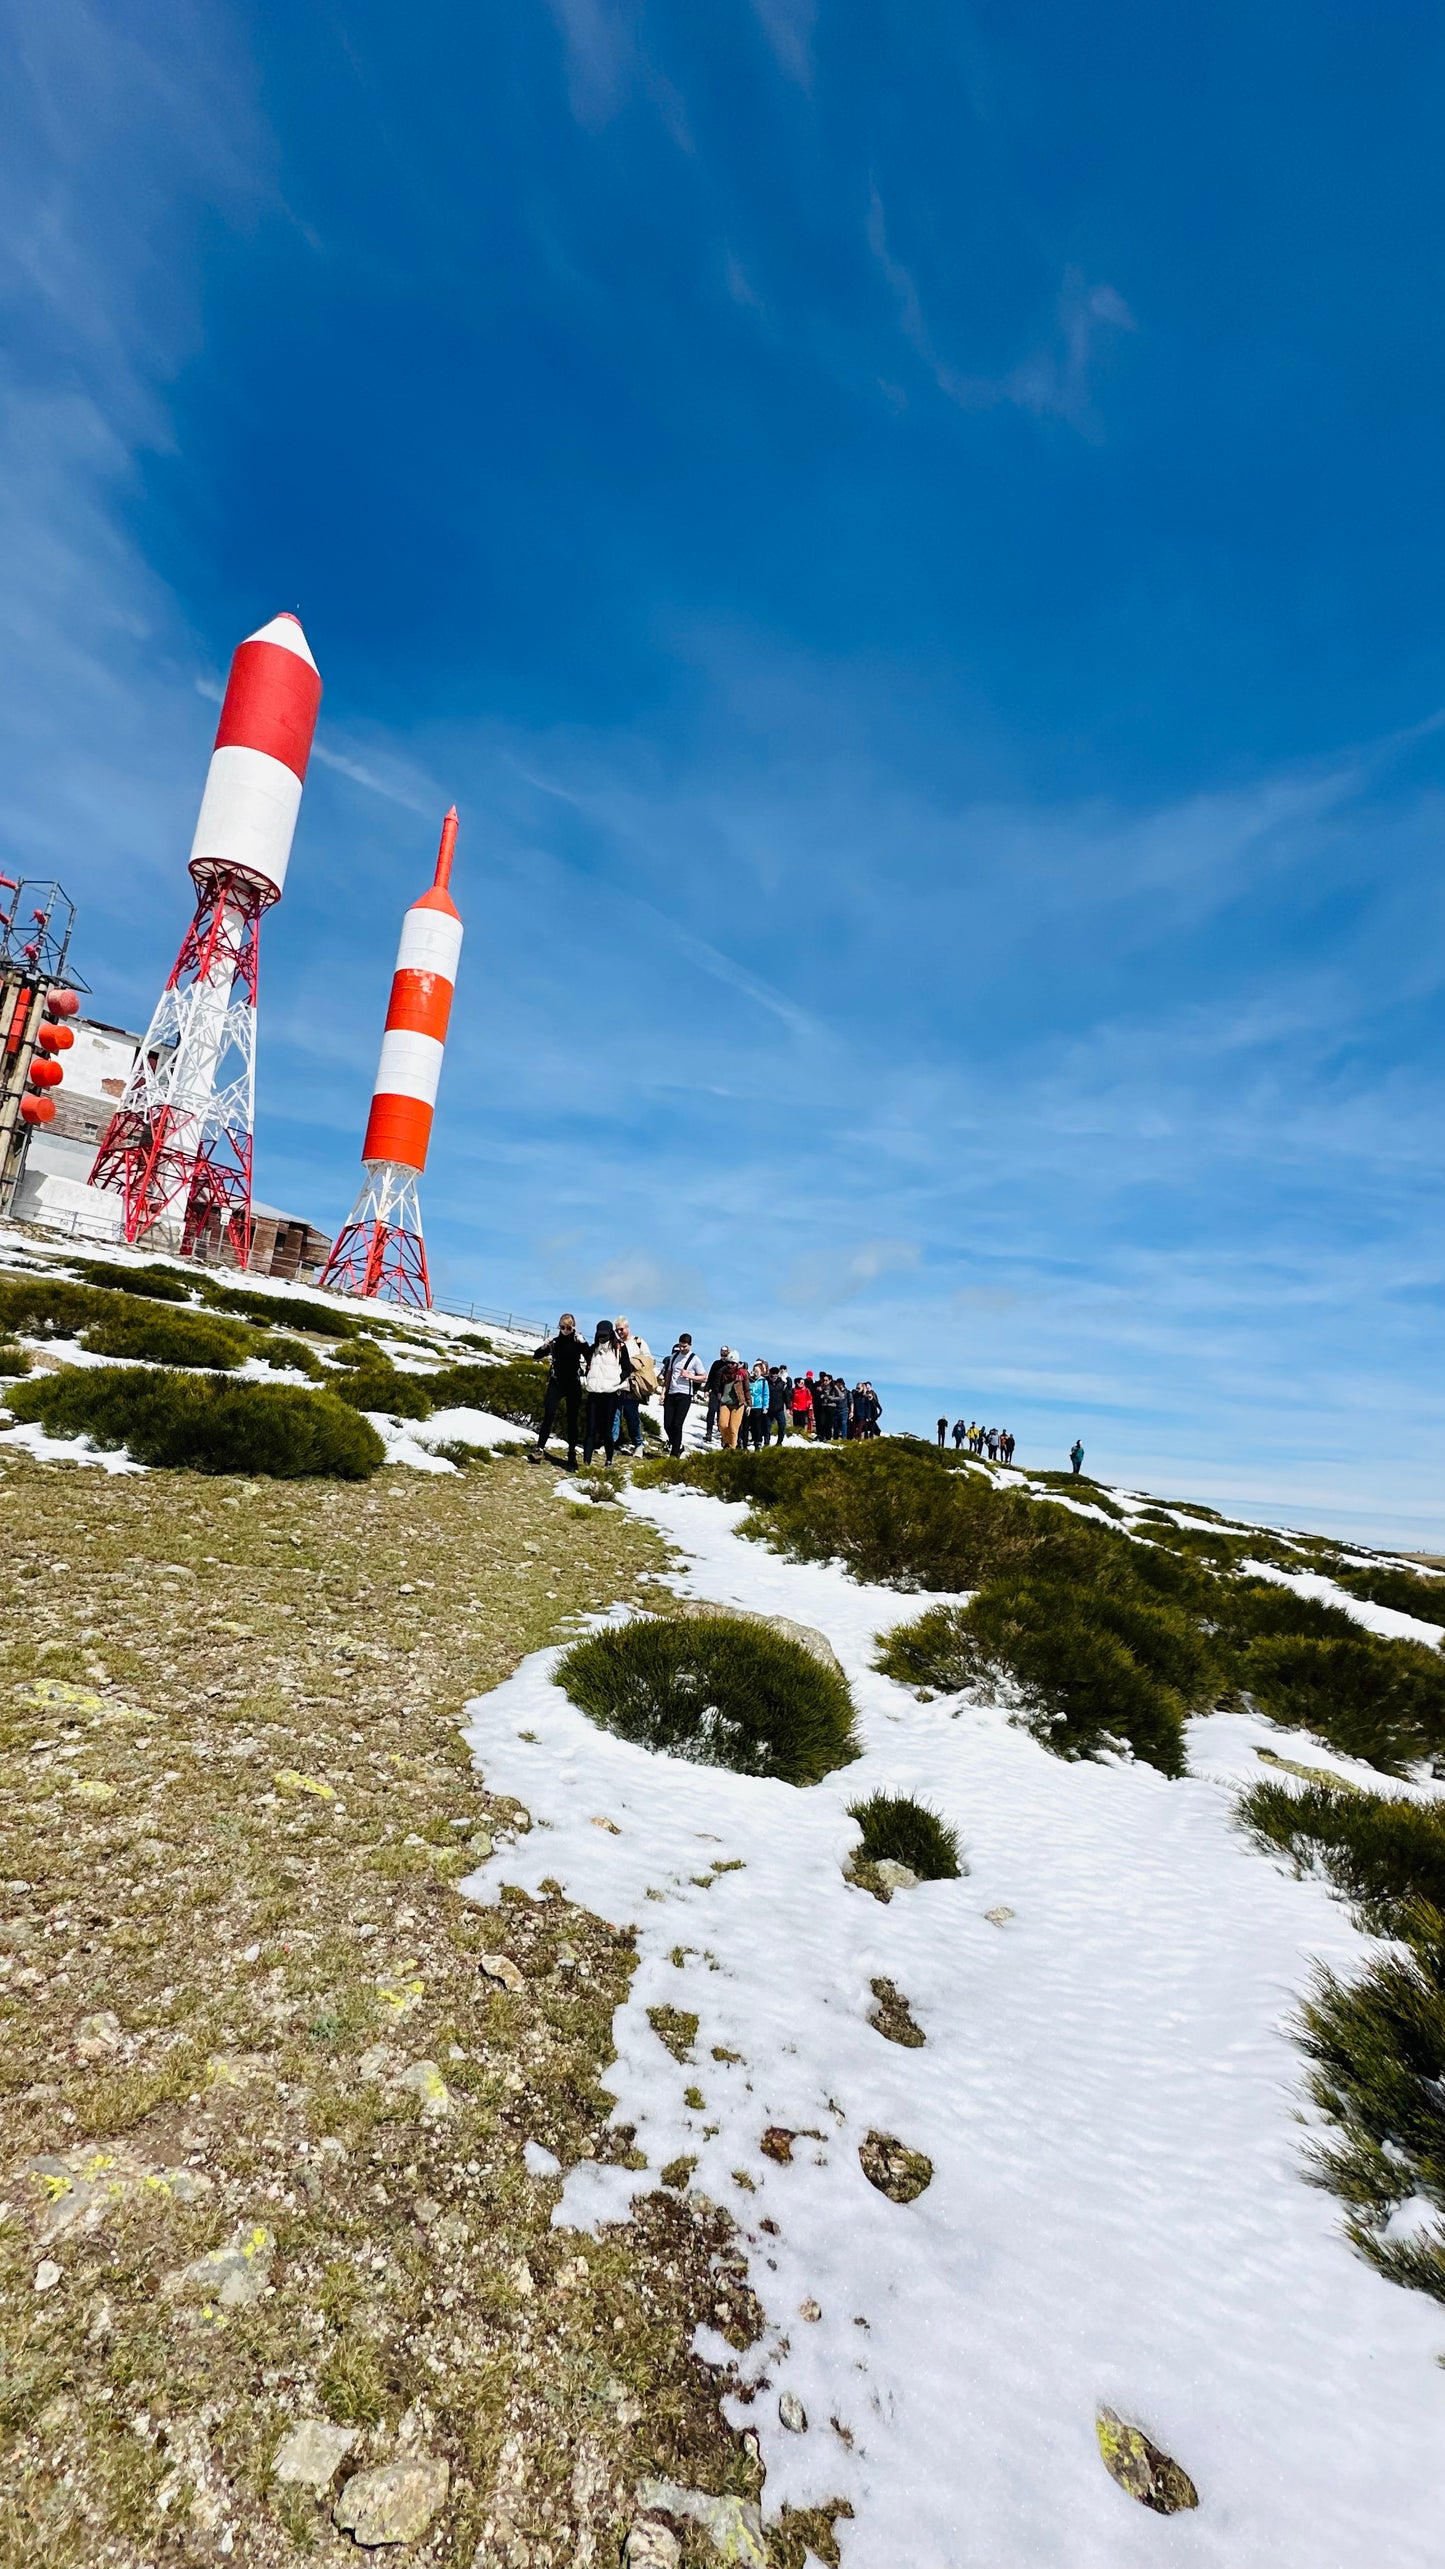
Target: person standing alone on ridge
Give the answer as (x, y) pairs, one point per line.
(1076, 1457)
(942, 1433)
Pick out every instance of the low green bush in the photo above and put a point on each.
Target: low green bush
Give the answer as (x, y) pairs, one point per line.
(155, 1284)
(1379, 1700)
(46, 1306)
(716, 1691)
(126, 1327)
(1248, 1610)
(1385, 1853)
(1377, 2046)
(514, 1390)
(894, 1825)
(190, 1422)
(1410, 1592)
(283, 1353)
(271, 1311)
(13, 1359)
(371, 1382)
(1096, 1672)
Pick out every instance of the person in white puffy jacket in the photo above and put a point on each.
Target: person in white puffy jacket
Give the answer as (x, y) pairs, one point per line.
(608, 1373)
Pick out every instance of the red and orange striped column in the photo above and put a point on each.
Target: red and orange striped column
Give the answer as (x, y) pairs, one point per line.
(380, 1251)
(399, 1125)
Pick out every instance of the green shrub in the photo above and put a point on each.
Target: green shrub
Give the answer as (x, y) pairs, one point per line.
(271, 1311)
(1247, 1610)
(1377, 2046)
(128, 1328)
(279, 1353)
(1096, 1671)
(514, 1390)
(371, 1382)
(1379, 1700)
(154, 1284)
(1410, 1592)
(45, 1306)
(1385, 1853)
(717, 1691)
(188, 1422)
(896, 1826)
(13, 1359)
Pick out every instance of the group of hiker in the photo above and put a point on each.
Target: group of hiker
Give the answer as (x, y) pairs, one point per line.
(596, 1388)
(969, 1438)
(756, 1404)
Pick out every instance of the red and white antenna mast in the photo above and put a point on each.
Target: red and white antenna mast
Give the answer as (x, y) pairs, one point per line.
(179, 1145)
(381, 1253)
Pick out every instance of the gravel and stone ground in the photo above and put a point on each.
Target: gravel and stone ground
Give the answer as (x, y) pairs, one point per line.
(280, 2108)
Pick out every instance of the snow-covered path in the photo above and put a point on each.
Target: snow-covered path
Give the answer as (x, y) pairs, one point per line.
(1108, 2094)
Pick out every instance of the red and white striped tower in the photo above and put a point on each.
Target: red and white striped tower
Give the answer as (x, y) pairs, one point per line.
(381, 1251)
(179, 1145)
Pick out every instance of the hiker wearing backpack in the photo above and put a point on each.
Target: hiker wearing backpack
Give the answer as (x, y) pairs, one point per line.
(681, 1376)
(732, 1401)
(627, 1427)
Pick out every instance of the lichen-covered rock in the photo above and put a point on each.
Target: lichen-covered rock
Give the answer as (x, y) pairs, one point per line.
(231, 2277)
(734, 2526)
(895, 1876)
(394, 2503)
(893, 2018)
(312, 2454)
(651, 2545)
(792, 2413)
(1141, 2469)
(900, 2173)
(425, 2081)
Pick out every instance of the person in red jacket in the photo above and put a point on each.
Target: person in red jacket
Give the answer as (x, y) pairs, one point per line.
(803, 1406)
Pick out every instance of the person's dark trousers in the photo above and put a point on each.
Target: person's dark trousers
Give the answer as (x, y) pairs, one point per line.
(778, 1419)
(675, 1407)
(627, 1426)
(601, 1412)
(712, 1411)
(757, 1429)
(556, 1394)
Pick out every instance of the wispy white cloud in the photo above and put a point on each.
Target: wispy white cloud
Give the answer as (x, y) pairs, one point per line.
(788, 26)
(1053, 380)
(606, 60)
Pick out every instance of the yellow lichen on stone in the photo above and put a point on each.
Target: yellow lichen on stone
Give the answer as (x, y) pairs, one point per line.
(291, 1780)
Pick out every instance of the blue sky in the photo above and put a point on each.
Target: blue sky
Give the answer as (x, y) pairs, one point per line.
(914, 537)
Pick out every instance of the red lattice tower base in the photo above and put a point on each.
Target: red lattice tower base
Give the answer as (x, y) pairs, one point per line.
(381, 1253)
(179, 1146)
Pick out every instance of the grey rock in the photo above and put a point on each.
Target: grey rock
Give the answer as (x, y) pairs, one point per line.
(734, 2526)
(651, 2545)
(231, 2277)
(998, 1917)
(47, 2274)
(394, 2503)
(792, 2413)
(807, 1635)
(895, 1876)
(312, 2454)
(425, 2081)
(888, 2163)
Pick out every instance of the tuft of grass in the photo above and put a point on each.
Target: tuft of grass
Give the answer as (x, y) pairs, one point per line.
(895, 1825)
(717, 1691)
(188, 1422)
(1385, 1853)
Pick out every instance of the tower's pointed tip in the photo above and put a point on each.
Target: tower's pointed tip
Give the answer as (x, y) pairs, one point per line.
(452, 812)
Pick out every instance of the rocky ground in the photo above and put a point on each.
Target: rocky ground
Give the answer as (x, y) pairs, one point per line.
(281, 2110)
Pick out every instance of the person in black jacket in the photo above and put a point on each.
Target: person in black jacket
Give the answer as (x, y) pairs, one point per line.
(720, 1371)
(566, 1354)
(780, 1393)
